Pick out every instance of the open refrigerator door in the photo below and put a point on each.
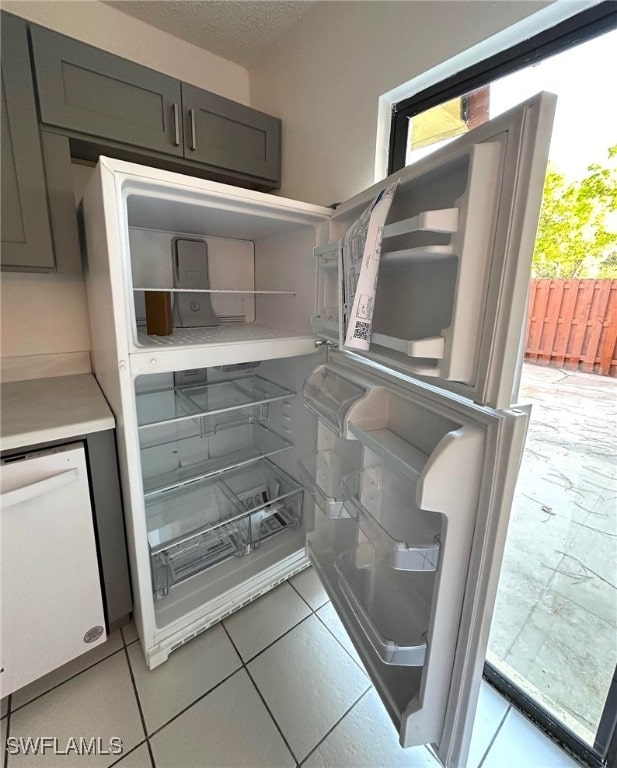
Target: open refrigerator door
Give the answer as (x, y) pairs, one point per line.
(418, 447)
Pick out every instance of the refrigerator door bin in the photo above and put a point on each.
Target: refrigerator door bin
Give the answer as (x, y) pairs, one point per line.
(329, 396)
(184, 458)
(391, 608)
(321, 476)
(328, 317)
(399, 534)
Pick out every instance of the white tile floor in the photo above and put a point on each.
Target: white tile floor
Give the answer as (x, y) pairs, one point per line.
(238, 696)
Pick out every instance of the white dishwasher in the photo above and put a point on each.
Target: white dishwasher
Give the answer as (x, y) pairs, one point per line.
(51, 602)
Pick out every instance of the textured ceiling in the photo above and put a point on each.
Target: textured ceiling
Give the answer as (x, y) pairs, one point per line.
(239, 30)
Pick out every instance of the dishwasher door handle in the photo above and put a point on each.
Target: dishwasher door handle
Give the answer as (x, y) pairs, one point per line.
(40, 487)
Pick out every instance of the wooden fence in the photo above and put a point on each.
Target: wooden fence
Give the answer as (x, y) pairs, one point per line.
(573, 324)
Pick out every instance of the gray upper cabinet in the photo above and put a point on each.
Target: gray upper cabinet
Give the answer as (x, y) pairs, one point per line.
(24, 223)
(86, 90)
(230, 136)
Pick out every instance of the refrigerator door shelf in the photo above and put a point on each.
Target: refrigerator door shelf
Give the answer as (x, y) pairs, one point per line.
(391, 527)
(321, 476)
(329, 396)
(391, 609)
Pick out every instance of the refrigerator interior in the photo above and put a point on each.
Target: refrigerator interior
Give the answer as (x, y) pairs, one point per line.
(219, 452)
(395, 491)
(259, 264)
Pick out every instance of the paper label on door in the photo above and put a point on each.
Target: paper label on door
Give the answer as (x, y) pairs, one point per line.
(361, 255)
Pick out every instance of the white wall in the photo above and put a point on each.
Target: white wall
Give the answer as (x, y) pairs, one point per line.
(47, 314)
(325, 77)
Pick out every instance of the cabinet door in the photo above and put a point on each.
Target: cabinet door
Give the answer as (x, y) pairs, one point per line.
(84, 89)
(26, 233)
(52, 608)
(230, 136)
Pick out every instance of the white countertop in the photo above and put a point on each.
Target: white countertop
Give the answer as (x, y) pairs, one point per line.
(58, 408)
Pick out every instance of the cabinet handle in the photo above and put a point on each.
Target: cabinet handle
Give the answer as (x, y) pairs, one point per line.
(176, 124)
(193, 144)
(33, 490)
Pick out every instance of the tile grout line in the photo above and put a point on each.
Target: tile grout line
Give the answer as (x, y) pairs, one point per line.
(141, 713)
(188, 706)
(66, 680)
(250, 677)
(130, 752)
(263, 650)
(304, 600)
(316, 612)
(492, 741)
(355, 661)
(341, 718)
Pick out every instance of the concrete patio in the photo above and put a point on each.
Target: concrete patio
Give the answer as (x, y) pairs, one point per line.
(555, 625)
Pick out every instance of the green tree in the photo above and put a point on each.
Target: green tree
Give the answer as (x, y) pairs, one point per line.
(577, 231)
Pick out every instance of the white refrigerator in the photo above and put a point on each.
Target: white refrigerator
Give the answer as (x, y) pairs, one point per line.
(257, 443)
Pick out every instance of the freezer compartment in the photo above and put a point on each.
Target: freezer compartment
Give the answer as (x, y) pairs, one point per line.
(246, 244)
(199, 525)
(391, 608)
(329, 396)
(391, 527)
(183, 403)
(187, 451)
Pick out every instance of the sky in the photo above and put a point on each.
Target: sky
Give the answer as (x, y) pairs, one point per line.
(584, 79)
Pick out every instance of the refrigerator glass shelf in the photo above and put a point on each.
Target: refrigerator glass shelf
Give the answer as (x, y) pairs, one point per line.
(199, 426)
(392, 607)
(181, 513)
(403, 536)
(175, 404)
(243, 441)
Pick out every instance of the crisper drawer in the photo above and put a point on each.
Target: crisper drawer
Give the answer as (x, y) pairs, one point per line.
(198, 525)
(272, 497)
